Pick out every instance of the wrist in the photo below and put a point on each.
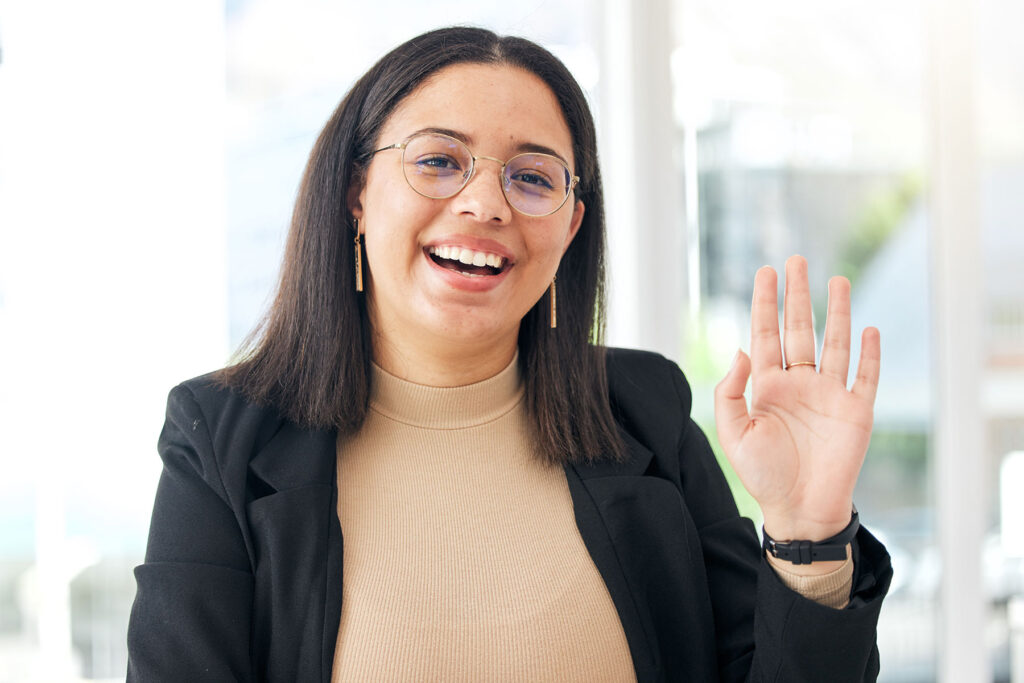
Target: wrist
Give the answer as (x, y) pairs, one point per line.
(802, 551)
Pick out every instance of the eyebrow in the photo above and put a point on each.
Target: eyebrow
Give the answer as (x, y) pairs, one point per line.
(520, 149)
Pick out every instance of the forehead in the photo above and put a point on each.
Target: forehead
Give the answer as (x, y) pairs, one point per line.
(491, 105)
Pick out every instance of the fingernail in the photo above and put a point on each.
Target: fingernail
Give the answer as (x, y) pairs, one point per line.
(735, 360)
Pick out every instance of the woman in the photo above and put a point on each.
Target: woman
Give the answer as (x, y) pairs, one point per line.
(425, 466)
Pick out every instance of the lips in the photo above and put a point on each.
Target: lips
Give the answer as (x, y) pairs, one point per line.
(454, 259)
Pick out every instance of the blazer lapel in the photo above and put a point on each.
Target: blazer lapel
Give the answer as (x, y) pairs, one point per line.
(297, 547)
(605, 497)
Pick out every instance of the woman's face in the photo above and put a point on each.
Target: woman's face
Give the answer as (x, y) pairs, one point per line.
(416, 296)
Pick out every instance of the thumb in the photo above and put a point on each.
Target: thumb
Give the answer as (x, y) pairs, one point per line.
(731, 416)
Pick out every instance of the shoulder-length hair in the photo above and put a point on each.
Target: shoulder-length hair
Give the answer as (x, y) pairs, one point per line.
(310, 355)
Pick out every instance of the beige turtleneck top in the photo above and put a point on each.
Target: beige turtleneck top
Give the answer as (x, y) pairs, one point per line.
(462, 559)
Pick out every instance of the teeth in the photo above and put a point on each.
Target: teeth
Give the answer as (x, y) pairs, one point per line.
(468, 256)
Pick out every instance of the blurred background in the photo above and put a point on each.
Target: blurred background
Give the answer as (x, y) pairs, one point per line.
(150, 153)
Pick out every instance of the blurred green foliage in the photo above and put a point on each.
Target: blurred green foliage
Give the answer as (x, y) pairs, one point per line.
(880, 216)
(883, 212)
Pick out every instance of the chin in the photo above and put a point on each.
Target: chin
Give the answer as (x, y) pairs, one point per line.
(461, 330)
(468, 325)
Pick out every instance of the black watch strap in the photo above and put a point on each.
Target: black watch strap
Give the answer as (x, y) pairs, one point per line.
(806, 552)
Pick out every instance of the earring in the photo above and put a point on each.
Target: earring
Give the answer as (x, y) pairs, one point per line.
(359, 260)
(554, 305)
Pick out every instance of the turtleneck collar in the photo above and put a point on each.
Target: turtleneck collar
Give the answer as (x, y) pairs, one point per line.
(446, 407)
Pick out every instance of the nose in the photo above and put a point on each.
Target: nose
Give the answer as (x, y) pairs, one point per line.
(482, 197)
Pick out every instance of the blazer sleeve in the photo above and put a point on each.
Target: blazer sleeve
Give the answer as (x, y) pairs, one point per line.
(765, 631)
(191, 617)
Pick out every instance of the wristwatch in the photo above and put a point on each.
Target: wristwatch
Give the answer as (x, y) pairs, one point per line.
(806, 552)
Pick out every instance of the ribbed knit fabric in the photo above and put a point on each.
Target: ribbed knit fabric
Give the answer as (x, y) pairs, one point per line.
(462, 559)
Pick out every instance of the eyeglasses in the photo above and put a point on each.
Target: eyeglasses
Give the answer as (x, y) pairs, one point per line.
(439, 166)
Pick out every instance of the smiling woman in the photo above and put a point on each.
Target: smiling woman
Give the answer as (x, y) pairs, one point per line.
(505, 98)
(516, 501)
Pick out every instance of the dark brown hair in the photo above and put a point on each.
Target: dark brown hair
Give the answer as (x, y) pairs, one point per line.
(310, 356)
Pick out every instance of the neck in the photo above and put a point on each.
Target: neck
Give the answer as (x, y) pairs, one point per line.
(446, 364)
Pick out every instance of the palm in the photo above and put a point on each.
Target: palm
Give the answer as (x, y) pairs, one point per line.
(804, 444)
(799, 448)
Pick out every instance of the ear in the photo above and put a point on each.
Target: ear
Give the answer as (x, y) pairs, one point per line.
(574, 224)
(355, 195)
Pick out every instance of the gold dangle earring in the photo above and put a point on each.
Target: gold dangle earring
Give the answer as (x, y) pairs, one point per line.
(359, 260)
(554, 305)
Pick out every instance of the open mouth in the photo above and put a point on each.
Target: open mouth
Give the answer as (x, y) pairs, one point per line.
(467, 261)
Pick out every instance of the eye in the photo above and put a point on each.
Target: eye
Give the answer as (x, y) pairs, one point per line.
(437, 164)
(533, 178)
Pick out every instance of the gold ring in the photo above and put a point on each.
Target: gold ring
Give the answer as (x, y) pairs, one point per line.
(803, 362)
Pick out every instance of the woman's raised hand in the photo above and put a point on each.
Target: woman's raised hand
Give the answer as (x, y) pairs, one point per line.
(799, 447)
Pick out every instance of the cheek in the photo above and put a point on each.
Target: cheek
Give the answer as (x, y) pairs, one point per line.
(549, 242)
(393, 229)
(383, 198)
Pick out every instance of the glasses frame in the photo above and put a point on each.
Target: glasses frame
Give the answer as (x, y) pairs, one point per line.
(573, 179)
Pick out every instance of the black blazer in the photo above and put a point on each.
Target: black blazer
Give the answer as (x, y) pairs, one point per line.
(243, 571)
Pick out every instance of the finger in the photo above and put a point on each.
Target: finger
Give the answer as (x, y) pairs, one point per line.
(866, 384)
(765, 350)
(835, 350)
(731, 416)
(799, 325)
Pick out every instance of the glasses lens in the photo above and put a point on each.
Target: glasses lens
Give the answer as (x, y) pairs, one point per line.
(536, 184)
(436, 165)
